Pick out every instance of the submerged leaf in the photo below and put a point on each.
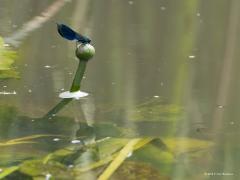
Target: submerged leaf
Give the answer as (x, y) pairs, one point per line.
(35, 136)
(157, 156)
(131, 170)
(184, 145)
(118, 160)
(58, 155)
(15, 143)
(109, 149)
(7, 58)
(156, 110)
(36, 168)
(172, 151)
(9, 73)
(7, 171)
(24, 140)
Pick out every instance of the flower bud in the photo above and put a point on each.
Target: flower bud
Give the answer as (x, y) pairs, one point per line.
(85, 51)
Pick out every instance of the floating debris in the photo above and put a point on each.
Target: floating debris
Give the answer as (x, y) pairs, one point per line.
(14, 26)
(220, 106)
(156, 96)
(163, 8)
(76, 141)
(56, 139)
(6, 45)
(70, 166)
(47, 66)
(48, 176)
(130, 2)
(8, 93)
(191, 57)
(129, 154)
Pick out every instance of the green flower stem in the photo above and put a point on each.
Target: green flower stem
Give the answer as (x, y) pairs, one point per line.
(57, 108)
(84, 52)
(75, 87)
(78, 76)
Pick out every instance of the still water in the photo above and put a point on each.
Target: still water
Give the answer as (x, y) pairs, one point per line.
(163, 81)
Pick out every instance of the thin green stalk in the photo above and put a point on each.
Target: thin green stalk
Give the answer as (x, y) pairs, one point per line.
(78, 76)
(57, 108)
(75, 87)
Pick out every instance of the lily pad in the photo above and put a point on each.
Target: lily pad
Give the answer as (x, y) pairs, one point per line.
(186, 145)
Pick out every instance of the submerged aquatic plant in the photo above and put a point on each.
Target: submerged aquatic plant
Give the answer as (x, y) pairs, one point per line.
(71, 161)
(7, 58)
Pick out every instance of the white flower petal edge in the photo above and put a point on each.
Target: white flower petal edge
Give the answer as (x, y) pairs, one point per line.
(75, 95)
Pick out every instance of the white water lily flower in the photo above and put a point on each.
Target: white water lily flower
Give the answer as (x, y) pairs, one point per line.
(75, 95)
